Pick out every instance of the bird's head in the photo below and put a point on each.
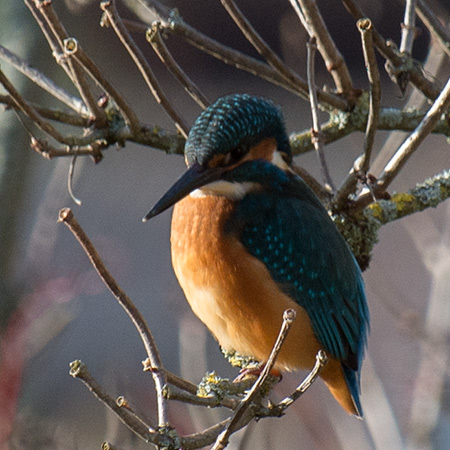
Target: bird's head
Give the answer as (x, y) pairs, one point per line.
(235, 129)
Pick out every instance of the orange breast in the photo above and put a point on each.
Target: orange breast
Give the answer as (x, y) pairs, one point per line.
(234, 295)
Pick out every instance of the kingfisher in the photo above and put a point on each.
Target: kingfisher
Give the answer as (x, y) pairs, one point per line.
(250, 239)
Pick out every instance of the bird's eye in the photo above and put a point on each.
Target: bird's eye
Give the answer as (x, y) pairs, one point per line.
(237, 153)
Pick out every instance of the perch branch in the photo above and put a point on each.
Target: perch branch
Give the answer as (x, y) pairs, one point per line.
(66, 216)
(222, 440)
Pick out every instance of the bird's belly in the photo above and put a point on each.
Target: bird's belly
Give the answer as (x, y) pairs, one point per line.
(231, 291)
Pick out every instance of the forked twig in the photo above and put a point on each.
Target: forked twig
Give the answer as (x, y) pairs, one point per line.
(141, 63)
(157, 42)
(309, 14)
(66, 216)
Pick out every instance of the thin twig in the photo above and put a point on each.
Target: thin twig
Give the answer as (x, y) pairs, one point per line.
(157, 42)
(427, 87)
(54, 114)
(141, 63)
(173, 393)
(362, 163)
(365, 28)
(413, 141)
(79, 370)
(66, 216)
(258, 42)
(122, 402)
(309, 14)
(432, 22)
(174, 23)
(72, 48)
(222, 440)
(408, 27)
(27, 109)
(75, 72)
(70, 179)
(43, 82)
(316, 132)
(321, 361)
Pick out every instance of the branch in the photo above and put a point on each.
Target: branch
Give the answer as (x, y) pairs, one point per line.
(141, 63)
(222, 440)
(79, 370)
(432, 22)
(316, 132)
(400, 63)
(309, 14)
(155, 39)
(259, 44)
(66, 216)
(362, 163)
(72, 68)
(413, 141)
(428, 194)
(408, 28)
(172, 22)
(43, 82)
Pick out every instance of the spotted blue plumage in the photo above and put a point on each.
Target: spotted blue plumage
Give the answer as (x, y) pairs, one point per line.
(238, 120)
(286, 227)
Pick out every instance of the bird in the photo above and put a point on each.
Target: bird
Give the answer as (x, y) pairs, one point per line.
(250, 239)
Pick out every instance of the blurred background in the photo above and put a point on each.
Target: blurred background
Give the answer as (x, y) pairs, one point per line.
(54, 309)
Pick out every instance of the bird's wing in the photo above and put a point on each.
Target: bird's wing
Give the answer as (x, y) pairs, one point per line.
(306, 255)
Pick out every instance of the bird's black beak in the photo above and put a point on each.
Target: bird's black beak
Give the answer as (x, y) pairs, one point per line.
(195, 177)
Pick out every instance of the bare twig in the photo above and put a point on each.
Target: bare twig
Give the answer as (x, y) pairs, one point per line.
(173, 23)
(160, 48)
(28, 110)
(74, 71)
(321, 361)
(365, 28)
(309, 14)
(43, 82)
(413, 141)
(222, 440)
(316, 132)
(398, 61)
(408, 27)
(257, 41)
(66, 216)
(432, 22)
(70, 179)
(139, 59)
(72, 48)
(79, 370)
(362, 163)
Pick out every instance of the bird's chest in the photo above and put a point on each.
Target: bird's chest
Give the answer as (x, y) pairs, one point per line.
(208, 264)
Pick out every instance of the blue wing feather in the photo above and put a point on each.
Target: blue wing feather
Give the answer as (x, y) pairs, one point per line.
(289, 230)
